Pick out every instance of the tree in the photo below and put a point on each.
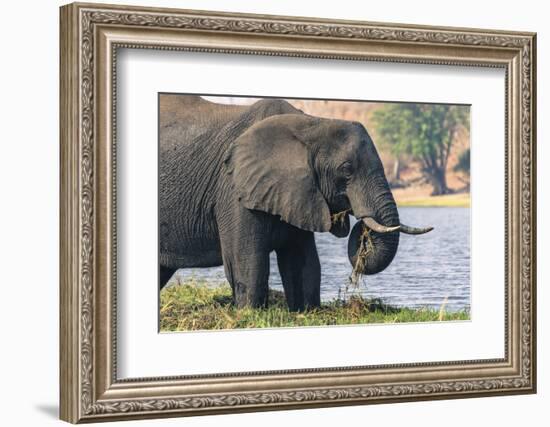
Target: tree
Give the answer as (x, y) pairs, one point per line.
(389, 122)
(424, 131)
(463, 165)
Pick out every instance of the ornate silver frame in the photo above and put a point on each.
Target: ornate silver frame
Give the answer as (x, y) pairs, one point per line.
(90, 36)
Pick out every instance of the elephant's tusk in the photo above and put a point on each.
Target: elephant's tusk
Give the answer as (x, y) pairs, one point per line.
(413, 230)
(379, 228)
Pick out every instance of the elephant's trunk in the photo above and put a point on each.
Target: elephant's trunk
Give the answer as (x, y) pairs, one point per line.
(374, 239)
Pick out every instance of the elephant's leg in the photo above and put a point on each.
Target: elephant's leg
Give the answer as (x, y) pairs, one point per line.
(245, 238)
(300, 272)
(165, 274)
(248, 274)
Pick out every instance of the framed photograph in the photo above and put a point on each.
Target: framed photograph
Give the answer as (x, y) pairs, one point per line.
(266, 212)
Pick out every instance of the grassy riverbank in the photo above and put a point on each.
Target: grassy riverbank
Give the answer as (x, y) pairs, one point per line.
(461, 200)
(196, 306)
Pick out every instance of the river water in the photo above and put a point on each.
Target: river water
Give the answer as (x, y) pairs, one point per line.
(426, 271)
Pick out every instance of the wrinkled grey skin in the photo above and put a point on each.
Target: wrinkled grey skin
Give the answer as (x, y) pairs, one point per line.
(239, 182)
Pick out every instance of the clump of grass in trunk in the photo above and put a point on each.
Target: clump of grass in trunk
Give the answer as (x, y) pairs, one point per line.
(366, 248)
(196, 306)
(339, 217)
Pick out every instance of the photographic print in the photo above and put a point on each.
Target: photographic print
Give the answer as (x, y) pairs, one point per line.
(282, 212)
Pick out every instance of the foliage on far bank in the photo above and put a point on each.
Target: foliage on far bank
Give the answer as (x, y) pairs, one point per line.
(424, 132)
(195, 306)
(463, 164)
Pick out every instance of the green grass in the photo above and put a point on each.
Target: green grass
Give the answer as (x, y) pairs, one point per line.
(196, 306)
(461, 200)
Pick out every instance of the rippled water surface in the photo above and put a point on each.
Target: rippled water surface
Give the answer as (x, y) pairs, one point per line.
(426, 270)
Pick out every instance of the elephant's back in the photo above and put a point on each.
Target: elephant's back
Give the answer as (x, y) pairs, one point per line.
(190, 149)
(184, 118)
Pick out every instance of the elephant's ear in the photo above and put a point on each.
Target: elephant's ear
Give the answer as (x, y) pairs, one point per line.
(272, 173)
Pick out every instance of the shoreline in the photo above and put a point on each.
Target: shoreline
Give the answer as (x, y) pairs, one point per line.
(461, 200)
(194, 306)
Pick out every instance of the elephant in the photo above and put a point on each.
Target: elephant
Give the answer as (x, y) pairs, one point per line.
(237, 182)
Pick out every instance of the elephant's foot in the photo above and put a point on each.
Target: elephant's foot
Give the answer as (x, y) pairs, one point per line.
(248, 279)
(254, 296)
(165, 274)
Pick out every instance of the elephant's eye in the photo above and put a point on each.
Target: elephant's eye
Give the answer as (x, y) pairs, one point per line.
(346, 169)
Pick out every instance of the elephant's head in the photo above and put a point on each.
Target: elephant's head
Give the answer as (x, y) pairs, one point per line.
(314, 173)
